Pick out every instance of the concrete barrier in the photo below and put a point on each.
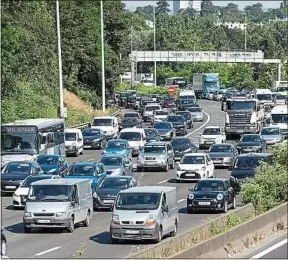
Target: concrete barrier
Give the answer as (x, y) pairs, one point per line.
(172, 246)
(239, 238)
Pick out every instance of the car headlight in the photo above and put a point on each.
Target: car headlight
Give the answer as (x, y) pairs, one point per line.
(191, 196)
(116, 218)
(27, 214)
(227, 159)
(150, 220)
(257, 147)
(220, 196)
(116, 172)
(96, 140)
(52, 170)
(95, 195)
(61, 214)
(168, 134)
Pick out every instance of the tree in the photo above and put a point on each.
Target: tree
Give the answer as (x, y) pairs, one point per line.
(146, 11)
(162, 7)
(207, 8)
(190, 12)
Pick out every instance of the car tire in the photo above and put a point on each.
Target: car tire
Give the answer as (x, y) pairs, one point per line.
(81, 153)
(3, 247)
(76, 153)
(159, 235)
(86, 222)
(174, 232)
(114, 240)
(71, 225)
(140, 169)
(190, 211)
(225, 209)
(166, 168)
(27, 229)
(234, 203)
(172, 166)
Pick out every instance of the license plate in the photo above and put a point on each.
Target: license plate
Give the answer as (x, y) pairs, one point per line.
(132, 232)
(190, 174)
(239, 131)
(108, 201)
(10, 187)
(87, 146)
(43, 221)
(248, 150)
(209, 142)
(204, 203)
(217, 161)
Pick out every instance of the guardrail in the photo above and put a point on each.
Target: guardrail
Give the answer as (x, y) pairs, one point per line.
(84, 125)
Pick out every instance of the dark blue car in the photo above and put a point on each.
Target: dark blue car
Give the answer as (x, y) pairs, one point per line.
(53, 164)
(165, 130)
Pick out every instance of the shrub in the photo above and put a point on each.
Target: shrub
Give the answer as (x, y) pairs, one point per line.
(269, 187)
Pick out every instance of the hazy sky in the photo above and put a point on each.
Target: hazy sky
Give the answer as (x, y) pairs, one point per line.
(131, 5)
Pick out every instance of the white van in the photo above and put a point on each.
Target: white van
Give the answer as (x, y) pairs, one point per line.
(145, 213)
(108, 124)
(264, 96)
(74, 144)
(279, 118)
(58, 203)
(187, 94)
(136, 138)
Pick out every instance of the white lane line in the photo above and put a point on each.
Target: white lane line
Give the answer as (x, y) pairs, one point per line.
(179, 201)
(270, 249)
(163, 181)
(200, 127)
(48, 251)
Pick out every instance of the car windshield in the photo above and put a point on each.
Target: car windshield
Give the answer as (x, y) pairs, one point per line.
(130, 136)
(151, 132)
(81, 170)
(161, 113)
(175, 119)
(28, 181)
(186, 101)
(16, 168)
(181, 143)
(130, 115)
(219, 148)
(102, 122)
(270, 131)
(264, 96)
(162, 125)
(194, 109)
(114, 183)
(250, 138)
(138, 201)
(281, 97)
(152, 108)
(47, 160)
(70, 136)
(241, 105)
(154, 149)
(250, 162)
(114, 144)
(279, 118)
(211, 131)
(186, 115)
(111, 161)
(48, 193)
(209, 186)
(192, 159)
(91, 132)
(129, 120)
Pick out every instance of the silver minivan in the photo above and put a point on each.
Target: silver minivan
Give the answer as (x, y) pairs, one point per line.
(58, 203)
(145, 213)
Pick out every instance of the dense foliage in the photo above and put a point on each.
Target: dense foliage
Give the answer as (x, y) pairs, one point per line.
(270, 185)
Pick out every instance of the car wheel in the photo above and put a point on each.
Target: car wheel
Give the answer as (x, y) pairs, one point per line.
(3, 248)
(173, 164)
(225, 209)
(114, 240)
(190, 211)
(86, 222)
(159, 236)
(71, 225)
(77, 153)
(81, 153)
(174, 232)
(166, 167)
(234, 203)
(27, 229)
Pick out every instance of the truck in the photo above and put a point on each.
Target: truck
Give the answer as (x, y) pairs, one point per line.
(279, 118)
(242, 116)
(205, 83)
(279, 86)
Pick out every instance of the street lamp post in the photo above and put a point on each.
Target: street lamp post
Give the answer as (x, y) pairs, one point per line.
(102, 59)
(154, 36)
(245, 32)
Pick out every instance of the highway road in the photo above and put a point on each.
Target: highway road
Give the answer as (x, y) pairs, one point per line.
(95, 238)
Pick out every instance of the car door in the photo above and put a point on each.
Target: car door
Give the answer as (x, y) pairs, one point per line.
(164, 215)
(170, 154)
(210, 166)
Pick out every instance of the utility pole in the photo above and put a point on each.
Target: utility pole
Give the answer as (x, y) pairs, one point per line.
(245, 32)
(103, 59)
(155, 64)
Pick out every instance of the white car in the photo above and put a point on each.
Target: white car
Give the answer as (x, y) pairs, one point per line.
(20, 195)
(212, 135)
(195, 166)
(160, 115)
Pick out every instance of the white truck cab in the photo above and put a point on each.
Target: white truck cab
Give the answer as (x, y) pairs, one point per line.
(108, 124)
(264, 96)
(74, 144)
(279, 118)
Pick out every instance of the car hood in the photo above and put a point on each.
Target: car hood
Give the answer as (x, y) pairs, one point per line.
(134, 215)
(47, 168)
(193, 167)
(196, 113)
(115, 150)
(112, 168)
(90, 138)
(105, 129)
(164, 131)
(107, 192)
(127, 125)
(210, 136)
(13, 177)
(248, 144)
(22, 191)
(151, 138)
(271, 137)
(91, 178)
(177, 124)
(152, 154)
(242, 173)
(47, 207)
(223, 154)
(15, 158)
(161, 116)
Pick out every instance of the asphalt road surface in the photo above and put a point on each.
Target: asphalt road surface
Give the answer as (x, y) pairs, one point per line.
(95, 238)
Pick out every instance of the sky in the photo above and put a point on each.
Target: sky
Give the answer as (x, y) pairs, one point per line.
(131, 5)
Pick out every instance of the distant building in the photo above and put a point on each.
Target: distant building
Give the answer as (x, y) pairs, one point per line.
(180, 4)
(195, 4)
(230, 25)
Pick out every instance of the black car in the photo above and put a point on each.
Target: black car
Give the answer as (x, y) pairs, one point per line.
(53, 164)
(3, 243)
(152, 134)
(107, 190)
(184, 104)
(251, 143)
(211, 194)
(244, 167)
(128, 122)
(181, 146)
(179, 124)
(188, 118)
(13, 173)
(94, 138)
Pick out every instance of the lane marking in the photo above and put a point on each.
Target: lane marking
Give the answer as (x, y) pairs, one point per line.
(270, 249)
(179, 201)
(202, 125)
(163, 181)
(48, 251)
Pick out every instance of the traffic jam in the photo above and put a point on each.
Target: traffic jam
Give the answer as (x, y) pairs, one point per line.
(44, 177)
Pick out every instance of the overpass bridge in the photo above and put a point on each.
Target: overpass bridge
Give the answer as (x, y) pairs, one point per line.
(256, 57)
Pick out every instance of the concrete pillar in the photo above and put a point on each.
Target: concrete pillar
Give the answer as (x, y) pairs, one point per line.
(279, 72)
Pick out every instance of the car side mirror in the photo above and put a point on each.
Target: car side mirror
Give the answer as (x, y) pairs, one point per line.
(165, 208)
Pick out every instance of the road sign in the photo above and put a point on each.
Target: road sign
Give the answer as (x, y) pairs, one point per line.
(171, 90)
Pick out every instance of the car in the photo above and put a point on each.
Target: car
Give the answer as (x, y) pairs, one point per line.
(117, 146)
(13, 173)
(212, 135)
(187, 116)
(94, 138)
(116, 164)
(20, 195)
(223, 154)
(152, 134)
(93, 171)
(196, 113)
(3, 243)
(195, 166)
(272, 135)
(149, 111)
(169, 102)
(107, 190)
(129, 122)
(159, 116)
(267, 113)
(251, 143)
(136, 138)
(166, 130)
(184, 104)
(108, 124)
(53, 164)
(211, 194)
(179, 124)
(181, 146)
(133, 114)
(74, 144)
(156, 155)
(244, 167)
